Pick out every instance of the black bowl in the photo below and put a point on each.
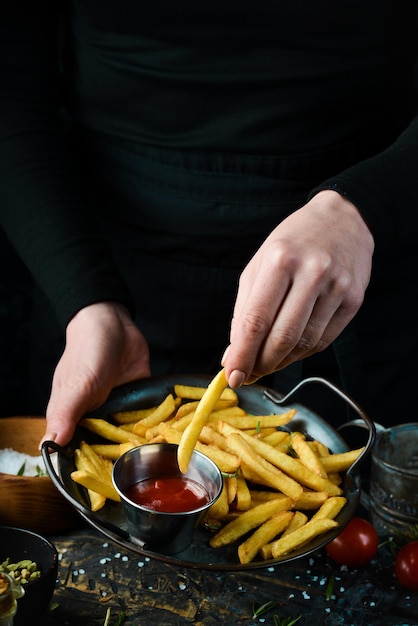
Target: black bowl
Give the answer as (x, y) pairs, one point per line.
(18, 544)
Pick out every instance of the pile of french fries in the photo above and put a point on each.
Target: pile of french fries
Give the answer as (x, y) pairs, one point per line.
(280, 488)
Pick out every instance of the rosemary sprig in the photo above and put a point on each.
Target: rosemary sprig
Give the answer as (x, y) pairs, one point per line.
(286, 621)
(330, 587)
(263, 608)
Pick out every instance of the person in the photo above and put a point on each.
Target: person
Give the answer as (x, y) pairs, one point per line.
(197, 185)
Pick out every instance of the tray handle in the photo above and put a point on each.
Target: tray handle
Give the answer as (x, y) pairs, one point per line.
(364, 420)
(117, 533)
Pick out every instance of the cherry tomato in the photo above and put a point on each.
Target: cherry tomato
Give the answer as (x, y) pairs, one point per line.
(406, 565)
(356, 545)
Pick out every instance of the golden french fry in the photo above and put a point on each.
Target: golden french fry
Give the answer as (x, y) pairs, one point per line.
(109, 431)
(97, 500)
(112, 450)
(307, 455)
(245, 422)
(310, 500)
(219, 509)
(269, 473)
(289, 465)
(247, 521)
(331, 507)
(95, 463)
(131, 417)
(162, 413)
(190, 392)
(191, 434)
(300, 536)
(340, 461)
(227, 462)
(298, 520)
(280, 438)
(231, 488)
(213, 437)
(264, 533)
(243, 495)
(91, 481)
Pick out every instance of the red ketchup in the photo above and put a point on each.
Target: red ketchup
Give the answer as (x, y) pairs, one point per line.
(169, 494)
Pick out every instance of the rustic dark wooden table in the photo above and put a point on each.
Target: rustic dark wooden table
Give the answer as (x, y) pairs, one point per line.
(96, 575)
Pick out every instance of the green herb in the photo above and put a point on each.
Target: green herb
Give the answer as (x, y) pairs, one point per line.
(22, 469)
(121, 618)
(227, 475)
(263, 608)
(258, 427)
(286, 621)
(330, 587)
(403, 537)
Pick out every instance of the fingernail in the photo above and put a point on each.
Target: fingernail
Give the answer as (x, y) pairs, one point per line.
(47, 437)
(237, 379)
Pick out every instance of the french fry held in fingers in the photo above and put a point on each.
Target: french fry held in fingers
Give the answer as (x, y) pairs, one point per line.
(191, 434)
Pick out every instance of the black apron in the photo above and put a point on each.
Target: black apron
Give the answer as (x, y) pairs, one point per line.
(182, 226)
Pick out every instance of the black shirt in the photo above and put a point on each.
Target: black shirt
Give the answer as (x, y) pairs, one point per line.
(253, 78)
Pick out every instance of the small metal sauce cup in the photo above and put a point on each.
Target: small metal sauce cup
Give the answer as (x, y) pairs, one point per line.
(160, 531)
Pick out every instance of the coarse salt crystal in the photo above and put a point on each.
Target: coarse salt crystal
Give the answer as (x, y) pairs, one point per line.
(11, 462)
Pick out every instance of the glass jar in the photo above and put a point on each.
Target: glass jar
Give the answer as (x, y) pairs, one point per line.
(10, 592)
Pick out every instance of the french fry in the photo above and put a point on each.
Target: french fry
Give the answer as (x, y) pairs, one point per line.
(298, 520)
(111, 450)
(268, 472)
(191, 434)
(190, 392)
(306, 454)
(109, 431)
(97, 500)
(162, 413)
(231, 488)
(131, 417)
(264, 533)
(219, 509)
(302, 535)
(310, 500)
(284, 462)
(227, 462)
(278, 438)
(243, 495)
(331, 507)
(245, 422)
(247, 521)
(341, 461)
(91, 481)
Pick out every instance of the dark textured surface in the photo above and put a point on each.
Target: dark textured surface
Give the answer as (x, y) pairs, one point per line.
(95, 575)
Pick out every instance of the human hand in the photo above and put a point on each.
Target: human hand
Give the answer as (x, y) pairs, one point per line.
(301, 288)
(103, 349)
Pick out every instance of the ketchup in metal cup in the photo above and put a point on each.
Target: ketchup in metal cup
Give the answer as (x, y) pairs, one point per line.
(169, 494)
